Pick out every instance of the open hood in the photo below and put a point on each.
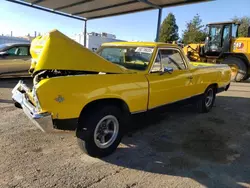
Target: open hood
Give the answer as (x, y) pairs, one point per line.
(55, 51)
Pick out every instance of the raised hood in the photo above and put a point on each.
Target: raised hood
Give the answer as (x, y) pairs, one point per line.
(55, 51)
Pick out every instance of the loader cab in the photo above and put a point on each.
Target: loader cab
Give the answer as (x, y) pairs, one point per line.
(219, 38)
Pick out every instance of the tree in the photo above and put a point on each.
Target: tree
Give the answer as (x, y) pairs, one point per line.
(244, 24)
(169, 29)
(195, 31)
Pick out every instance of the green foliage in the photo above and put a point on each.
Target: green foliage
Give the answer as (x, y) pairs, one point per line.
(244, 24)
(194, 32)
(169, 29)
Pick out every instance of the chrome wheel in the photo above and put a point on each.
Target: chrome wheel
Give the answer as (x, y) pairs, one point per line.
(106, 131)
(209, 97)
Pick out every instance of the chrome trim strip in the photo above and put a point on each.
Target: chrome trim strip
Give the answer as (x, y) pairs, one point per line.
(207, 67)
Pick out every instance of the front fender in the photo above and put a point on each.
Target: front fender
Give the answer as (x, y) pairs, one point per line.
(64, 97)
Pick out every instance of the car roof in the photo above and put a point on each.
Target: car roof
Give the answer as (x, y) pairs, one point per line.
(17, 44)
(149, 44)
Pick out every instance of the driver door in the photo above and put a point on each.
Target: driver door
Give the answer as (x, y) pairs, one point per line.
(16, 61)
(226, 39)
(166, 88)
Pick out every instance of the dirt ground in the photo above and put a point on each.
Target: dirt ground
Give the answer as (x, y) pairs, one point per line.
(180, 148)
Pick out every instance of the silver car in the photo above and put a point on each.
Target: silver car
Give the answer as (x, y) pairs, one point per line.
(15, 59)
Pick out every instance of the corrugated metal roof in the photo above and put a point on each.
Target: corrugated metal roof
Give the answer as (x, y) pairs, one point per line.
(91, 9)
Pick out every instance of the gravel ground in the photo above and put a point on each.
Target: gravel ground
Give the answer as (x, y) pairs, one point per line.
(179, 148)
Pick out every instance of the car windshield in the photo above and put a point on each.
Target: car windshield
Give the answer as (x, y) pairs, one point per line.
(135, 58)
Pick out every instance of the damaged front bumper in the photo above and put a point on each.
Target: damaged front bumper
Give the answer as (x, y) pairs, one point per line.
(42, 120)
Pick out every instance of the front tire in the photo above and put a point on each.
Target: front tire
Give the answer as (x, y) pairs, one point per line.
(206, 101)
(100, 133)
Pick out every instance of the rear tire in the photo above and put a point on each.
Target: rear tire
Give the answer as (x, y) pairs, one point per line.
(241, 74)
(101, 132)
(206, 101)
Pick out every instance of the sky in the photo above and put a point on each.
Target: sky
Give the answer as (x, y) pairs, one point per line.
(137, 26)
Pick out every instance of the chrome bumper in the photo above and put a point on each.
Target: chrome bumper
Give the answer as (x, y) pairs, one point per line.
(42, 120)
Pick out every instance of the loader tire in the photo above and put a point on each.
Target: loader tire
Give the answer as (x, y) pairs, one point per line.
(240, 74)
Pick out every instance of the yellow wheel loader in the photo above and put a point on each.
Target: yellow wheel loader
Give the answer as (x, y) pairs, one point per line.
(222, 45)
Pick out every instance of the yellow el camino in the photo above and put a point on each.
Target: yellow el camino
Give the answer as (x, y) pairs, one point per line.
(95, 93)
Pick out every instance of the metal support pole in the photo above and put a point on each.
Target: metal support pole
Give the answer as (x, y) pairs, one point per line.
(85, 33)
(158, 25)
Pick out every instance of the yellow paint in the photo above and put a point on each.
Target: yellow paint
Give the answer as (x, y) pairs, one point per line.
(192, 51)
(246, 46)
(78, 91)
(54, 51)
(135, 88)
(168, 88)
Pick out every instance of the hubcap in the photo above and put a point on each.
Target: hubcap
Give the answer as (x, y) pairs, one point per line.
(209, 97)
(106, 131)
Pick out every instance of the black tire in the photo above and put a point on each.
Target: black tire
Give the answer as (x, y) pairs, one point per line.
(202, 104)
(242, 68)
(16, 104)
(86, 130)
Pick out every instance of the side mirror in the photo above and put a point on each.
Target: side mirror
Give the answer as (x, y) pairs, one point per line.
(167, 70)
(3, 54)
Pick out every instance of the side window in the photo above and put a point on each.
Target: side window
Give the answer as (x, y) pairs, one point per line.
(172, 58)
(18, 51)
(12, 51)
(23, 51)
(234, 30)
(226, 32)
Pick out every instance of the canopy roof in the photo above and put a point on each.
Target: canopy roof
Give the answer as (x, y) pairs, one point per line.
(91, 9)
(223, 23)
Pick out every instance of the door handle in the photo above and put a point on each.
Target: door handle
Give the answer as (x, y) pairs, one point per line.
(190, 77)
